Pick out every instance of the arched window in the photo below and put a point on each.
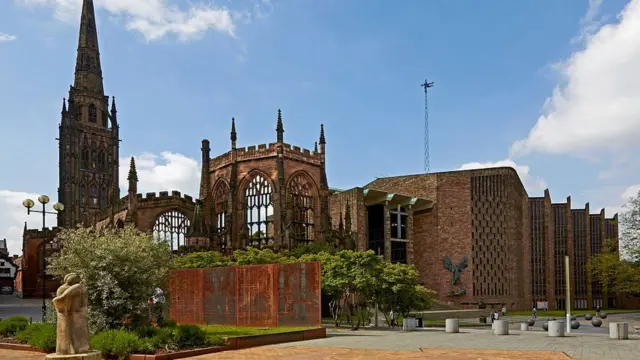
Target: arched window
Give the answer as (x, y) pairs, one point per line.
(85, 158)
(94, 155)
(93, 113)
(258, 214)
(171, 227)
(302, 209)
(82, 194)
(103, 197)
(93, 195)
(220, 211)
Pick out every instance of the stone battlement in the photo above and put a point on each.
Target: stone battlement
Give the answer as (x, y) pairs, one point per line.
(41, 233)
(265, 150)
(148, 199)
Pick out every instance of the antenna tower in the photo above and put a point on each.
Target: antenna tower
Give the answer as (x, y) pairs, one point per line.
(426, 85)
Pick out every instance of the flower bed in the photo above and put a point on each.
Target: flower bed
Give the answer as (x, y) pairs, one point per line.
(169, 341)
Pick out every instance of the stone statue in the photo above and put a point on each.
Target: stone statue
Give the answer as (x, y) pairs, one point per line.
(73, 340)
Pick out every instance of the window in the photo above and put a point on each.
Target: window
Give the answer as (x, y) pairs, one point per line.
(221, 201)
(93, 114)
(171, 227)
(5, 271)
(398, 223)
(101, 160)
(103, 197)
(302, 206)
(85, 158)
(93, 195)
(82, 195)
(94, 155)
(258, 212)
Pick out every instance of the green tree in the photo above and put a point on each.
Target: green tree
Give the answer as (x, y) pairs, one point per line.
(198, 260)
(120, 268)
(615, 274)
(253, 256)
(630, 229)
(314, 247)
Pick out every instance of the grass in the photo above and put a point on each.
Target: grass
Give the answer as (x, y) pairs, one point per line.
(560, 313)
(232, 331)
(441, 323)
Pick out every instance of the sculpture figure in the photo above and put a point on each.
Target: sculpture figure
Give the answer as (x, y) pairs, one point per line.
(455, 274)
(73, 340)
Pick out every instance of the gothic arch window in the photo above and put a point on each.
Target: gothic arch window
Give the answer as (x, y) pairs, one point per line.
(103, 197)
(302, 206)
(171, 227)
(93, 195)
(85, 158)
(101, 160)
(220, 211)
(82, 194)
(258, 212)
(93, 114)
(94, 155)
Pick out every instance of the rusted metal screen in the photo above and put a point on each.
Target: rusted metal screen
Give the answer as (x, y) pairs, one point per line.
(257, 295)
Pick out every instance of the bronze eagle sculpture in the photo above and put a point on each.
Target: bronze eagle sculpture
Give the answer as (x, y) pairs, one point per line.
(455, 269)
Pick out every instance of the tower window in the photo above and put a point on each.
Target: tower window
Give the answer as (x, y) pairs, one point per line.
(82, 194)
(221, 199)
(93, 195)
(93, 113)
(85, 158)
(101, 161)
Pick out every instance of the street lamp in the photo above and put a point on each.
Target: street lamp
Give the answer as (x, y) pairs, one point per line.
(58, 207)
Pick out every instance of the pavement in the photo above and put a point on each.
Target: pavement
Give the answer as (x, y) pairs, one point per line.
(13, 305)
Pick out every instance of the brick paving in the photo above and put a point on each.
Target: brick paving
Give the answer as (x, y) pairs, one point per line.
(20, 355)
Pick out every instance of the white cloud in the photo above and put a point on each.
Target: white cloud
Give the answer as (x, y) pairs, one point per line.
(167, 172)
(598, 105)
(7, 37)
(14, 216)
(532, 183)
(156, 18)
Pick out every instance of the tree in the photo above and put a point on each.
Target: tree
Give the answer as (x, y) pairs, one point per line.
(314, 247)
(630, 229)
(198, 260)
(120, 268)
(615, 274)
(253, 256)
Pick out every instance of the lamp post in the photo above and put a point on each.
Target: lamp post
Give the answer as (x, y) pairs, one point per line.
(29, 204)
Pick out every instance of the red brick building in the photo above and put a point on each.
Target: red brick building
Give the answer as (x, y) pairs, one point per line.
(514, 245)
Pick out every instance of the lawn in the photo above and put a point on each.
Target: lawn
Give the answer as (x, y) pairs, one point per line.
(232, 331)
(561, 313)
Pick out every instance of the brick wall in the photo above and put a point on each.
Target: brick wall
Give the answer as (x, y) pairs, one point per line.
(258, 295)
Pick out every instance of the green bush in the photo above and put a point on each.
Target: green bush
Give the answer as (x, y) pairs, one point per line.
(213, 340)
(189, 336)
(145, 331)
(168, 324)
(163, 339)
(13, 325)
(42, 336)
(118, 343)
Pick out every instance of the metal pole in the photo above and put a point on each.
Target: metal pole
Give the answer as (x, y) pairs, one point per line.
(568, 286)
(44, 282)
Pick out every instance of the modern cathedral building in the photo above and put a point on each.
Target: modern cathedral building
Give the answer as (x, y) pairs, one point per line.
(507, 247)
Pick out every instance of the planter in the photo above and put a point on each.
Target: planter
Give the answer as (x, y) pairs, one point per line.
(21, 347)
(178, 354)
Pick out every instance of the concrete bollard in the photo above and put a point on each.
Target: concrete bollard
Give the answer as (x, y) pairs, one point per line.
(501, 327)
(524, 326)
(409, 324)
(619, 331)
(556, 328)
(451, 326)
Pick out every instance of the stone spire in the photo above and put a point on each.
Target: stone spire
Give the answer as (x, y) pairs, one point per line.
(323, 141)
(133, 177)
(280, 128)
(88, 77)
(234, 136)
(315, 147)
(114, 111)
(64, 106)
(197, 226)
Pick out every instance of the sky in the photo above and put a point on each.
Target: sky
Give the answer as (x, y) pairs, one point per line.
(551, 88)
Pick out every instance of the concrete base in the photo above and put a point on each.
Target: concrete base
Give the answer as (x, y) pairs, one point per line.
(409, 324)
(619, 331)
(556, 328)
(524, 327)
(452, 326)
(501, 327)
(94, 355)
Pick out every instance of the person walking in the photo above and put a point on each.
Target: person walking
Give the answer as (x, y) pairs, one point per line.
(504, 311)
(534, 313)
(158, 301)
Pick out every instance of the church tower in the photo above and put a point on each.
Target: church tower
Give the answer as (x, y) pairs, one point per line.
(88, 140)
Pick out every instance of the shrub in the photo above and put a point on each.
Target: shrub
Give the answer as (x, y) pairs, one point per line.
(163, 338)
(117, 343)
(145, 331)
(213, 340)
(13, 325)
(42, 336)
(189, 336)
(168, 324)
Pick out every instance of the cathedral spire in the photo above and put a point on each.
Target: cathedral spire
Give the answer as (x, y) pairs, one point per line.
(88, 75)
(133, 177)
(280, 127)
(64, 106)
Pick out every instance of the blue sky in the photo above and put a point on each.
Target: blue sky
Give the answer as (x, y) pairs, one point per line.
(181, 69)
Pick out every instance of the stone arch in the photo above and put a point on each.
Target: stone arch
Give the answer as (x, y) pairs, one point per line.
(303, 207)
(171, 226)
(257, 195)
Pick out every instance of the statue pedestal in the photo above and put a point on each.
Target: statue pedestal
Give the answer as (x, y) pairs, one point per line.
(94, 355)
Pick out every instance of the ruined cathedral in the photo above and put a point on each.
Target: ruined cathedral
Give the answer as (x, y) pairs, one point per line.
(277, 196)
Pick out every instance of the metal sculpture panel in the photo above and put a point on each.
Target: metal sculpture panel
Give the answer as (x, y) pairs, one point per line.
(256, 300)
(185, 296)
(219, 292)
(299, 302)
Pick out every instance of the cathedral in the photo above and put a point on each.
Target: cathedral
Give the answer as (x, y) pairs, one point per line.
(507, 248)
